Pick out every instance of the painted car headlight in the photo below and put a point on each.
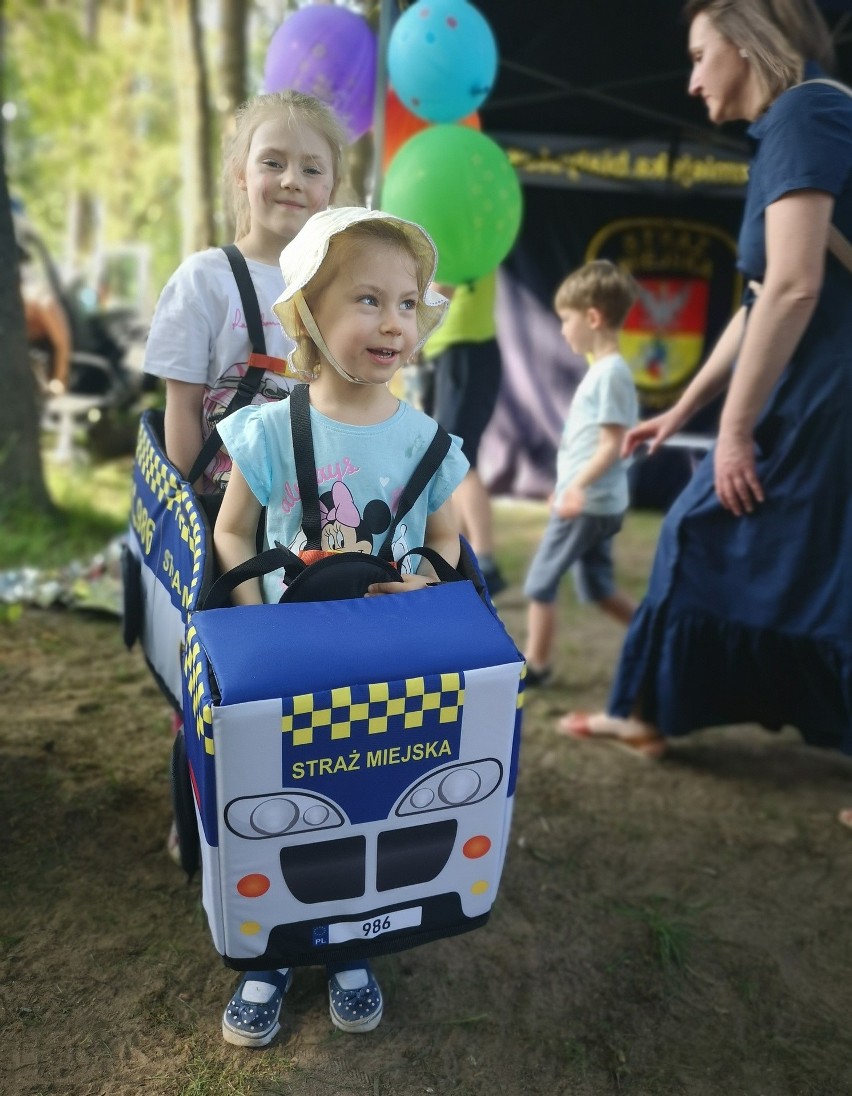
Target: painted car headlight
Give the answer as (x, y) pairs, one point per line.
(260, 816)
(456, 785)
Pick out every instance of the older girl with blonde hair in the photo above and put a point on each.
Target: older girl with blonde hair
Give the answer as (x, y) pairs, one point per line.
(282, 164)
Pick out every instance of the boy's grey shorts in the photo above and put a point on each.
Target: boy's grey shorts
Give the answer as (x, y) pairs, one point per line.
(582, 545)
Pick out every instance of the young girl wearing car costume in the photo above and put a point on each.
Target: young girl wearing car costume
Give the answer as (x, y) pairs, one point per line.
(358, 305)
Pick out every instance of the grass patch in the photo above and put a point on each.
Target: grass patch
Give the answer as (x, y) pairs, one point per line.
(576, 1056)
(92, 503)
(208, 1077)
(669, 934)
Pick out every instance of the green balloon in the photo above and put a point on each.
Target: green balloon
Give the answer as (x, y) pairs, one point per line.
(459, 185)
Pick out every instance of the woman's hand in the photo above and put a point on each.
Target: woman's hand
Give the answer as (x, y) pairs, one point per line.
(652, 432)
(796, 234)
(735, 475)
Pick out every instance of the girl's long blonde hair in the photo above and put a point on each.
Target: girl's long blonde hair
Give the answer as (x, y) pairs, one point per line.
(302, 110)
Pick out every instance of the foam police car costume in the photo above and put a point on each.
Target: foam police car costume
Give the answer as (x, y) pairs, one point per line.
(346, 806)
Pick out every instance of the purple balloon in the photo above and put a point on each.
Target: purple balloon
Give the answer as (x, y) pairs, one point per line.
(328, 52)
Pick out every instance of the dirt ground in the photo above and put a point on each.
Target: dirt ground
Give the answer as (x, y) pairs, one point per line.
(662, 929)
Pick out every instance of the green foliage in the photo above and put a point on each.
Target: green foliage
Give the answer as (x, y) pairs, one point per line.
(96, 117)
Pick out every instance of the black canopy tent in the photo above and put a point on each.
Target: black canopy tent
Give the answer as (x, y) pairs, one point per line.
(616, 161)
(616, 67)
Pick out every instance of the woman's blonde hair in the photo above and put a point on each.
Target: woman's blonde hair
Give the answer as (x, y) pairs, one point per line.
(747, 24)
(341, 247)
(302, 110)
(803, 25)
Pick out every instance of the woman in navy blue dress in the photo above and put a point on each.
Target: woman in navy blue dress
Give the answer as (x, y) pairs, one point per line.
(748, 615)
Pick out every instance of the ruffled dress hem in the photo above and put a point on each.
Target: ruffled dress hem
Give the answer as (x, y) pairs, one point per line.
(688, 670)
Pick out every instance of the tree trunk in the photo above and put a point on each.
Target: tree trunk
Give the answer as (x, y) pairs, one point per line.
(198, 224)
(82, 206)
(233, 19)
(21, 475)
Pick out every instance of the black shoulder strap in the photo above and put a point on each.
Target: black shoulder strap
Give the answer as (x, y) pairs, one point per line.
(445, 571)
(306, 472)
(429, 464)
(249, 384)
(254, 567)
(251, 309)
(306, 475)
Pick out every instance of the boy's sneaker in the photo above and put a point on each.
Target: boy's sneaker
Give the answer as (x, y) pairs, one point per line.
(252, 1018)
(536, 679)
(493, 579)
(355, 1000)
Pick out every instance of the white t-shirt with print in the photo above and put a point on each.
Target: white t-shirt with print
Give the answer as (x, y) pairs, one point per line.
(199, 334)
(606, 396)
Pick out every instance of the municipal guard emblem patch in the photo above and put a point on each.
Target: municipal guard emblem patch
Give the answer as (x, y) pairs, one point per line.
(688, 289)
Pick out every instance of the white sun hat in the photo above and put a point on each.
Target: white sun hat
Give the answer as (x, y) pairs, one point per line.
(303, 256)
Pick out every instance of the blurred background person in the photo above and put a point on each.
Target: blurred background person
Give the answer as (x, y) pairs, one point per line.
(48, 330)
(748, 612)
(463, 357)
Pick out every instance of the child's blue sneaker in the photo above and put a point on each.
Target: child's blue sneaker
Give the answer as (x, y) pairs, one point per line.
(493, 578)
(355, 1000)
(252, 1018)
(538, 679)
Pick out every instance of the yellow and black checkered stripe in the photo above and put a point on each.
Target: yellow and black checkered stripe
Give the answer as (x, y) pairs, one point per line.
(191, 512)
(156, 471)
(196, 686)
(168, 488)
(355, 710)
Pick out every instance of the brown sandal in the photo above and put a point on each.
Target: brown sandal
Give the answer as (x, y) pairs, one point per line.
(584, 725)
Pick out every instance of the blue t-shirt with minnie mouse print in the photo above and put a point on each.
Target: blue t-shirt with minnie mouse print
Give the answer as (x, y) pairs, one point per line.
(361, 472)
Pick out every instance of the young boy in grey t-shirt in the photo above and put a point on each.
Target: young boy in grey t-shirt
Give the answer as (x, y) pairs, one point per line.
(591, 494)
